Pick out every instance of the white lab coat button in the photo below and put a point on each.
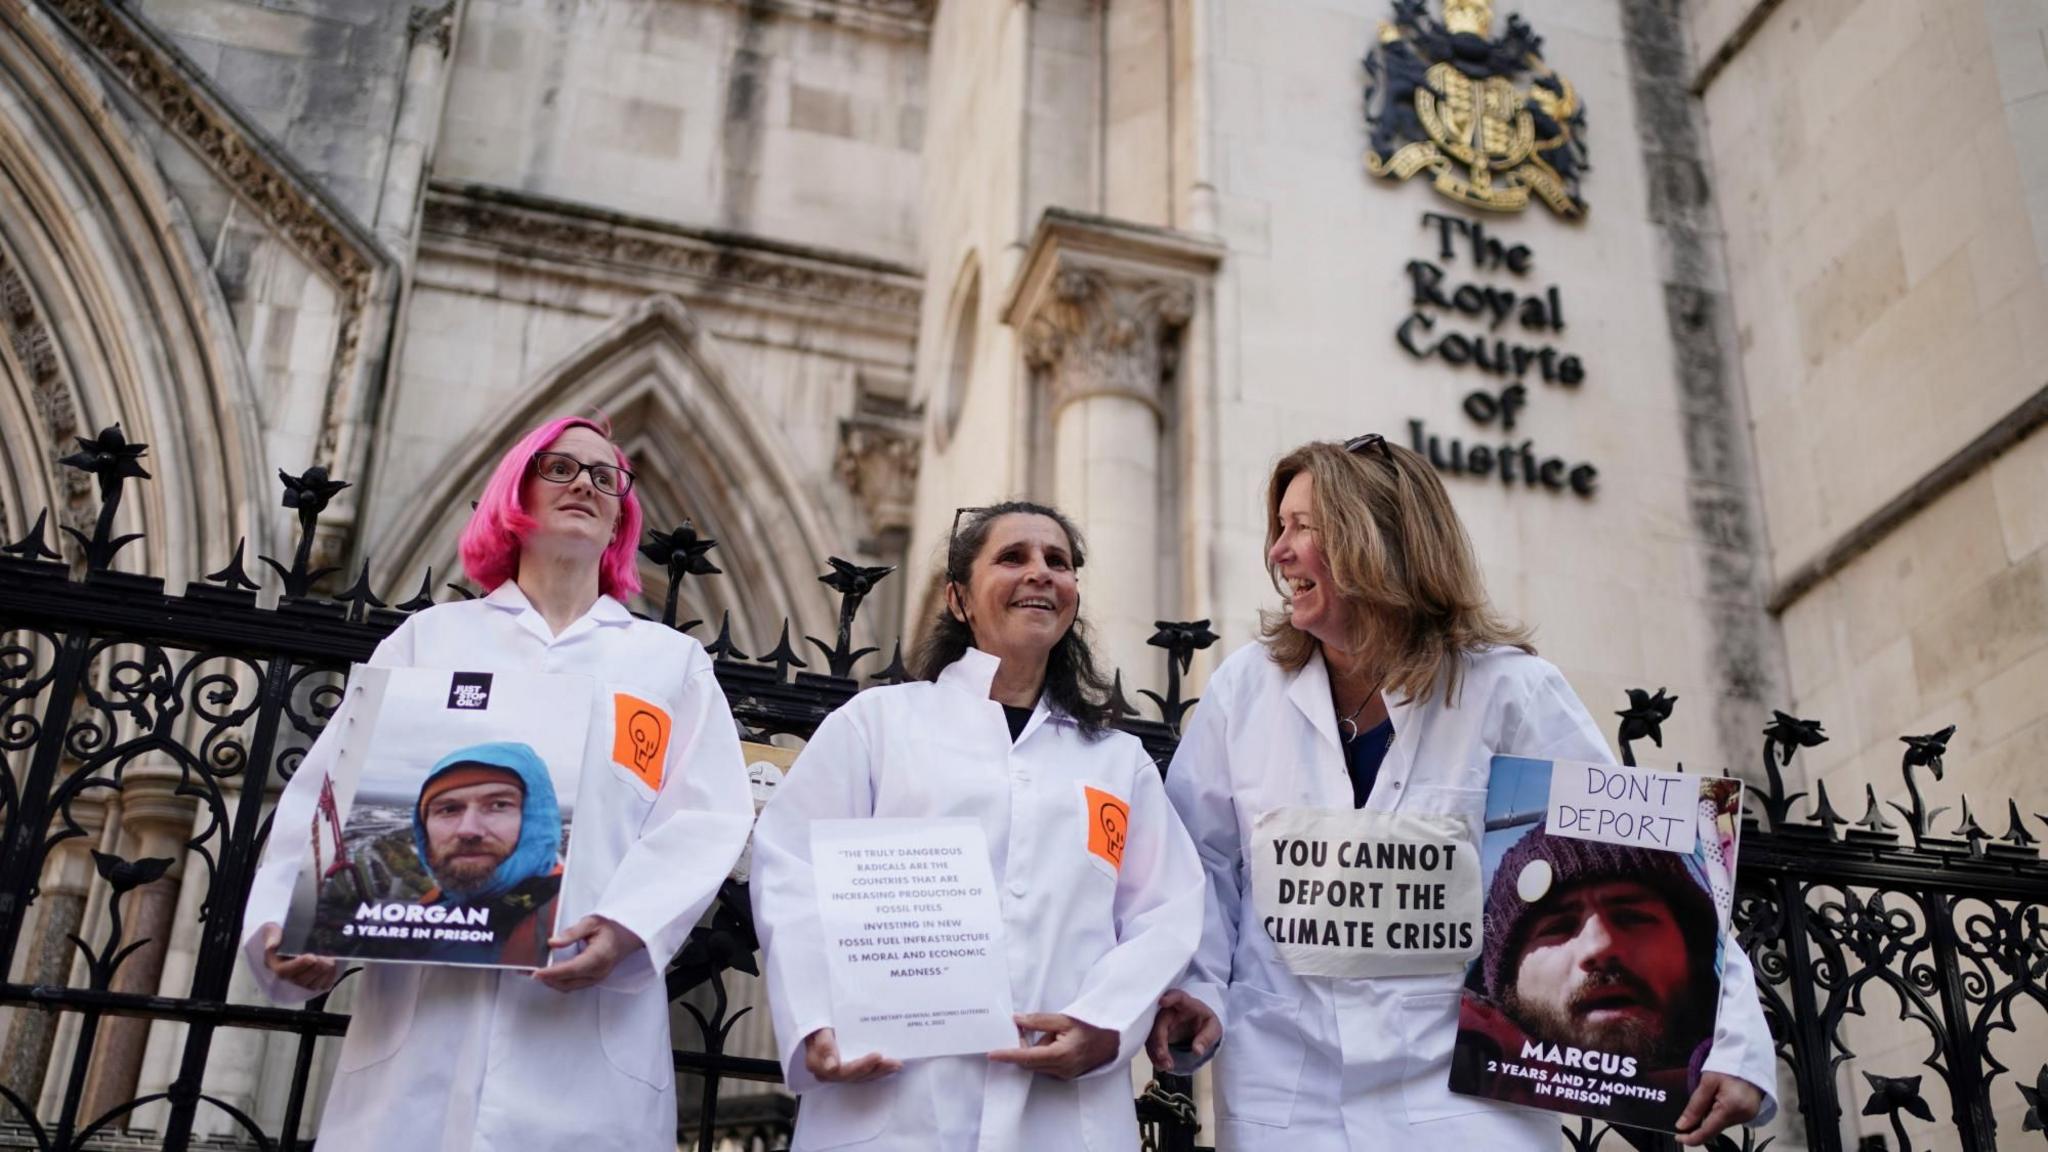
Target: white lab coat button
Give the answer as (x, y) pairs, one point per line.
(1016, 887)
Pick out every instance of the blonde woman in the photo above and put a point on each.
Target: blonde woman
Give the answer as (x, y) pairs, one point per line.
(1386, 683)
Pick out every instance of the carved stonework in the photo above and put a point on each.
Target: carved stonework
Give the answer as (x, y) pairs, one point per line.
(28, 338)
(213, 131)
(897, 17)
(433, 25)
(1097, 333)
(877, 461)
(551, 230)
(1098, 305)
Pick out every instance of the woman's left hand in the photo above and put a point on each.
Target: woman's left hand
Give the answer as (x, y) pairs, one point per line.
(1065, 1048)
(1720, 1101)
(606, 943)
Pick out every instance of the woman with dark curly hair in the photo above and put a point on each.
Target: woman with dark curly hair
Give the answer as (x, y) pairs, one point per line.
(1006, 724)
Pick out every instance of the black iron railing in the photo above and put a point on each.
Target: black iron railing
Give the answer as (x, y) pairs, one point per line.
(109, 685)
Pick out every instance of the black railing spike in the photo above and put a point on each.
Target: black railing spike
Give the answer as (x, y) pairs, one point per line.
(1970, 830)
(1783, 736)
(1643, 719)
(687, 626)
(1118, 704)
(680, 553)
(461, 591)
(308, 494)
(1873, 813)
(853, 583)
(232, 575)
(424, 598)
(359, 597)
(840, 658)
(723, 648)
(1922, 752)
(784, 657)
(1824, 814)
(112, 461)
(2016, 833)
(1181, 639)
(33, 544)
(895, 673)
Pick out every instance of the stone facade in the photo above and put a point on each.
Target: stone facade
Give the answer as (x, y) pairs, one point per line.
(836, 268)
(388, 237)
(1888, 316)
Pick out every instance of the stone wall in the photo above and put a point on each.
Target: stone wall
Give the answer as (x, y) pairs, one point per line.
(1880, 169)
(803, 122)
(1888, 292)
(1312, 288)
(739, 374)
(969, 374)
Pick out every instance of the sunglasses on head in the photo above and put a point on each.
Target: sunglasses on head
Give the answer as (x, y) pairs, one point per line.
(1370, 442)
(953, 533)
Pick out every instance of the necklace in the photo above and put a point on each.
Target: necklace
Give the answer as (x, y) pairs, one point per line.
(1349, 724)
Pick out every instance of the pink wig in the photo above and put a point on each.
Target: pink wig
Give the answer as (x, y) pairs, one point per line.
(491, 540)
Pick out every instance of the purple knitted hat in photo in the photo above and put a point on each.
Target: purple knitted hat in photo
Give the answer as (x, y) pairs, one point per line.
(1576, 862)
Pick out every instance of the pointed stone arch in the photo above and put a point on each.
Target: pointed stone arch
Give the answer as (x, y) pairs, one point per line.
(109, 314)
(699, 451)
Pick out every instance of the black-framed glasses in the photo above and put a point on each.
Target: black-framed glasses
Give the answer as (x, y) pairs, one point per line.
(1370, 442)
(557, 468)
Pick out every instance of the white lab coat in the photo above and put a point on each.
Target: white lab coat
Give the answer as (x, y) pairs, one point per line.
(442, 1059)
(1325, 1065)
(1095, 945)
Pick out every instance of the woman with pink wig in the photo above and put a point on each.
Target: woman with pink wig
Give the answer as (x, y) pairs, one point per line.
(574, 1056)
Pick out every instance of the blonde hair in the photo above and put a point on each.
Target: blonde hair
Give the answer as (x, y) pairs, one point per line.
(1401, 562)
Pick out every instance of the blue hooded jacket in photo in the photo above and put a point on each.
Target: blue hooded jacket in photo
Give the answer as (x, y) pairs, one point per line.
(540, 818)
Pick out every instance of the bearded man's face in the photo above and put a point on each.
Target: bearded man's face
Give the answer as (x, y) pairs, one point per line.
(1604, 966)
(470, 831)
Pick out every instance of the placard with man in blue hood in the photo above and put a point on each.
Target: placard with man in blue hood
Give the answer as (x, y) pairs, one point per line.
(442, 834)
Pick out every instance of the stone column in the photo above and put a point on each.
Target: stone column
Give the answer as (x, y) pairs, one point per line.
(1101, 308)
(60, 912)
(418, 125)
(155, 823)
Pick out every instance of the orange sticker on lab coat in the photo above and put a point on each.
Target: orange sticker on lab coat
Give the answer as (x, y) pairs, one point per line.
(1109, 821)
(639, 738)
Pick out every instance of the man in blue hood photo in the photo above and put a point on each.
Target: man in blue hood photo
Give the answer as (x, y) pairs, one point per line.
(488, 830)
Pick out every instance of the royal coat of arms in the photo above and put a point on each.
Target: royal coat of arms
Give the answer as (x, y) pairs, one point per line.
(1446, 98)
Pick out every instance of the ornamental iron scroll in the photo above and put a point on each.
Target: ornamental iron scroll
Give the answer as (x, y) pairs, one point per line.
(1841, 918)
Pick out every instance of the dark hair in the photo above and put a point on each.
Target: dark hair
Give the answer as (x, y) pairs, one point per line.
(1073, 684)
